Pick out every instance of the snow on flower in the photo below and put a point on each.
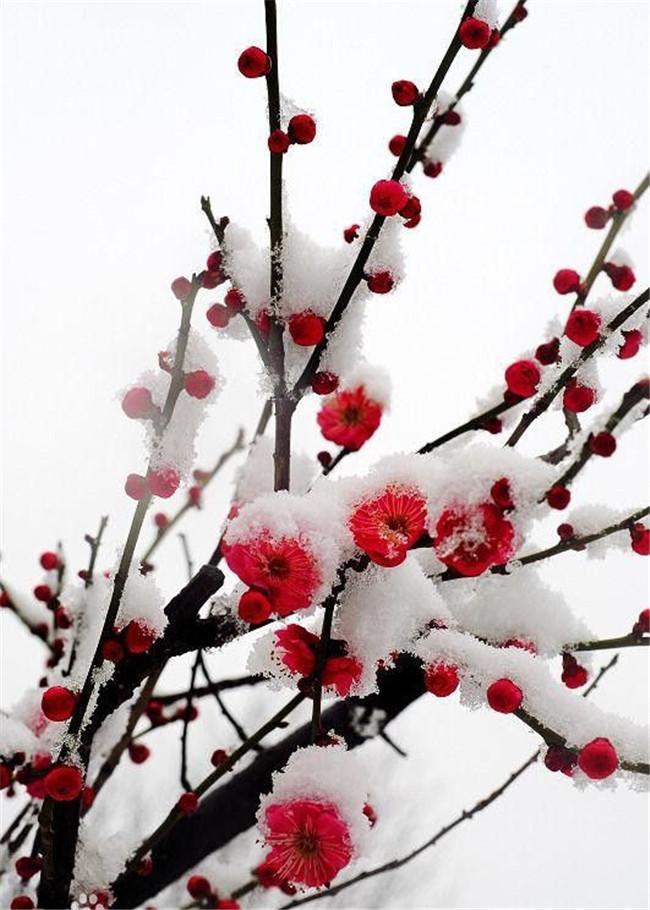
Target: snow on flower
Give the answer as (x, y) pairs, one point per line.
(382, 612)
(386, 526)
(175, 451)
(291, 652)
(470, 538)
(287, 547)
(313, 820)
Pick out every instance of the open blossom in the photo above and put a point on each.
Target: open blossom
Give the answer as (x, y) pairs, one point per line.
(283, 569)
(471, 538)
(349, 418)
(310, 842)
(386, 526)
(298, 650)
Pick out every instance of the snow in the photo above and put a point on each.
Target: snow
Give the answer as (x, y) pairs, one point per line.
(560, 709)
(328, 774)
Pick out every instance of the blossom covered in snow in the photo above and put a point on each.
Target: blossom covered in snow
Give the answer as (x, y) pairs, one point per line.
(313, 821)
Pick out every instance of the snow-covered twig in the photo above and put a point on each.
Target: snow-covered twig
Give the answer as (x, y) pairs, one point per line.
(543, 401)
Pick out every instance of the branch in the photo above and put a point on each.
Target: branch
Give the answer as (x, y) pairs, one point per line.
(420, 151)
(420, 111)
(618, 220)
(543, 402)
(203, 482)
(631, 398)
(552, 738)
(175, 815)
(220, 686)
(231, 808)
(475, 423)
(632, 640)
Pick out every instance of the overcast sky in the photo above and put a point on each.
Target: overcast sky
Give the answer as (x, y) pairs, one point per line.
(117, 117)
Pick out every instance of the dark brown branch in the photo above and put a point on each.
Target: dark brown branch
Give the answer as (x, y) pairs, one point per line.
(542, 403)
(632, 397)
(420, 111)
(468, 83)
(475, 423)
(123, 743)
(187, 719)
(221, 686)
(604, 644)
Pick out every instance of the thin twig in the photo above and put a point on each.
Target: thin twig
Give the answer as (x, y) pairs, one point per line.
(203, 482)
(468, 83)
(187, 718)
(175, 814)
(420, 111)
(619, 218)
(630, 399)
(542, 403)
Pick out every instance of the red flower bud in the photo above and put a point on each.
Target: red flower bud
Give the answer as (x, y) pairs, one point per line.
(188, 803)
(474, 33)
(218, 315)
(441, 679)
(58, 703)
(254, 607)
(558, 497)
(578, 398)
(396, 145)
(253, 63)
(548, 352)
(504, 696)
(278, 142)
(306, 329)
(164, 482)
(583, 326)
(596, 217)
(404, 93)
(623, 199)
(432, 168)
(199, 384)
(302, 129)
(566, 281)
(138, 403)
(49, 561)
(598, 759)
(63, 783)
(135, 486)
(522, 378)
(380, 282)
(603, 444)
(181, 288)
(387, 197)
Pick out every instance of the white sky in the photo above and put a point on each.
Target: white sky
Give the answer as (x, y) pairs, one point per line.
(117, 117)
